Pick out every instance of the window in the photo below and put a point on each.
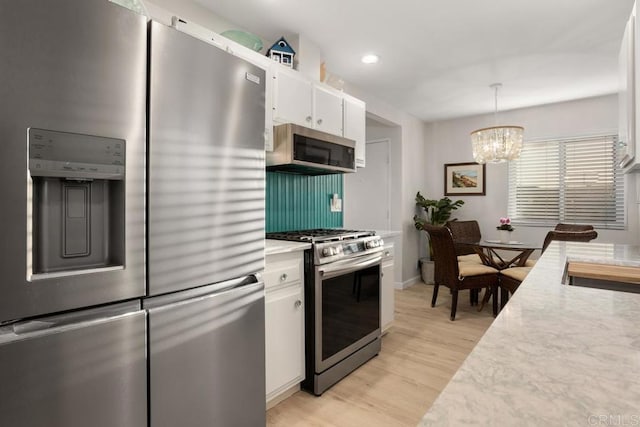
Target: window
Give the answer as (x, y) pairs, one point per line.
(571, 180)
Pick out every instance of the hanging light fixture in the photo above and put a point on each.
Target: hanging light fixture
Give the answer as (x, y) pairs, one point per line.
(498, 143)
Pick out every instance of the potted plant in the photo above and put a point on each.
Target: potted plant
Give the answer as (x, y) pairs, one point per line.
(505, 228)
(435, 212)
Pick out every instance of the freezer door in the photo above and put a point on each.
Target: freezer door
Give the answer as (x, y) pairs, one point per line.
(206, 164)
(77, 67)
(78, 370)
(206, 359)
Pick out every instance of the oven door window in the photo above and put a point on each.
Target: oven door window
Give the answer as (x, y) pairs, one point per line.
(350, 309)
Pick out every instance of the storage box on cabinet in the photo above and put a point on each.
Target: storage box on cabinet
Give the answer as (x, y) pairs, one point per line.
(284, 324)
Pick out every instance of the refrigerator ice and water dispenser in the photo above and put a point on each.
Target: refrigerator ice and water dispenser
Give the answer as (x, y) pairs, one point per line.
(77, 195)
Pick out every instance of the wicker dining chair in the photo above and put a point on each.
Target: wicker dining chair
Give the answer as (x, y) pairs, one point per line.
(456, 275)
(573, 227)
(511, 278)
(562, 227)
(465, 231)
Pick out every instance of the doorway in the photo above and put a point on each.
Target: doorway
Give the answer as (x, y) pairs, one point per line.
(368, 192)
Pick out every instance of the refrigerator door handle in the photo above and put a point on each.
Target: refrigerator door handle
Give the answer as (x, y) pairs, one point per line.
(59, 322)
(214, 288)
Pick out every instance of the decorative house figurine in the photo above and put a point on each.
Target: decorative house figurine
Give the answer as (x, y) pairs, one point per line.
(281, 52)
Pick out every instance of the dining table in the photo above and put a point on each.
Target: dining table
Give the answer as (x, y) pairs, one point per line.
(500, 255)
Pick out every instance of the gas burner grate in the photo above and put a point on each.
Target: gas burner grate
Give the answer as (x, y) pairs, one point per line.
(319, 235)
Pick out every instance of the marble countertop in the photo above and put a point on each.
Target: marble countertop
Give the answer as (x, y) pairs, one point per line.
(555, 355)
(283, 246)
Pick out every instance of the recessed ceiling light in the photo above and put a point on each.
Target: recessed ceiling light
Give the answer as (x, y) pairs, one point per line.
(370, 59)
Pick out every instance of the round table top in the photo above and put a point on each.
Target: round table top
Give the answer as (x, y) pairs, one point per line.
(496, 244)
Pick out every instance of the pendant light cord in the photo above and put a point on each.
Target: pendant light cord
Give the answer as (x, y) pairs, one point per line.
(495, 87)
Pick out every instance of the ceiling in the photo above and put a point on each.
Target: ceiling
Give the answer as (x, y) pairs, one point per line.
(438, 57)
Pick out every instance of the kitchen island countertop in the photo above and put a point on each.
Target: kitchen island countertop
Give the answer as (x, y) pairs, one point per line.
(555, 355)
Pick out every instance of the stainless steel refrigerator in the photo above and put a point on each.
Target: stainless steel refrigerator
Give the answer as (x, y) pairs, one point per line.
(206, 200)
(72, 265)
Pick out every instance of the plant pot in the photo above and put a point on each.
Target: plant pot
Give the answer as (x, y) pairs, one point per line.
(505, 236)
(427, 269)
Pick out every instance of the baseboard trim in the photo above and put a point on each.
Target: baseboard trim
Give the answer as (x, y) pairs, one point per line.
(283, 396)
(408, 283)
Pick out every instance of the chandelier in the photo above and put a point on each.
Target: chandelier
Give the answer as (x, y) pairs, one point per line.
(498, 143)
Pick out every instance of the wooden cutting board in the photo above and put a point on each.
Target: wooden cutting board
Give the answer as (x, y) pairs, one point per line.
(615, 273)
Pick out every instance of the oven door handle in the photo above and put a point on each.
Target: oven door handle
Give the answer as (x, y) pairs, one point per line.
(341, 267)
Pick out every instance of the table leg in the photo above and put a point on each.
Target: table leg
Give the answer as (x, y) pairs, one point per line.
(485, 299)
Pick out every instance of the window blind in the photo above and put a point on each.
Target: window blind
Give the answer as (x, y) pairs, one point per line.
(570, 180)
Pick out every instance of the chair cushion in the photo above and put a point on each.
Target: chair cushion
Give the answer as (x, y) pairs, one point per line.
(468, 269)
(517, 273)
(474, 258)
(530, 262)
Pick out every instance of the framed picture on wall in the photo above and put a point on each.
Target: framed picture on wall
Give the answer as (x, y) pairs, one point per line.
(464, 179)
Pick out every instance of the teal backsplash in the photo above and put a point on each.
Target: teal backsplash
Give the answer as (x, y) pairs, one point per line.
(299, 202)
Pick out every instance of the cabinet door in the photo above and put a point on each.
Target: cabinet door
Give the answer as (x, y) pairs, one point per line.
(355, 126)
(387, 298)
(327, 115)
(284, 325)
(292, 99)
(626, 96)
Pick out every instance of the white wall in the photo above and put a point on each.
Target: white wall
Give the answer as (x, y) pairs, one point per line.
(409, 148)
(449, 142)
(355, 217)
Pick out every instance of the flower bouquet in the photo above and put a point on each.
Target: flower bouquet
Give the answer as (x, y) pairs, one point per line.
(505, 228)
(505, 224)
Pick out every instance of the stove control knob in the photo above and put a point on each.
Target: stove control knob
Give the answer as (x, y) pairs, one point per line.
(370, 244)
(326, 252)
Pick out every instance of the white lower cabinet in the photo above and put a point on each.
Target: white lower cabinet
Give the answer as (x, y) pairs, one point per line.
(387, 297)
(284, 323)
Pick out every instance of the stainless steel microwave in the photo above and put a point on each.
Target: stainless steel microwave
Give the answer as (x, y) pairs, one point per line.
(301, 150)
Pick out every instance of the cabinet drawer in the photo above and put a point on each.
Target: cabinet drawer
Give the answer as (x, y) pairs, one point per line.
(388, 251)
(282, 270)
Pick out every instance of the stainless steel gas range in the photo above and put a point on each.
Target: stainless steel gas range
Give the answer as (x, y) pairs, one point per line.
(342, 295)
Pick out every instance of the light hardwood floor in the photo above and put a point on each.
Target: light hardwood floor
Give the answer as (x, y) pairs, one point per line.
(420, 354)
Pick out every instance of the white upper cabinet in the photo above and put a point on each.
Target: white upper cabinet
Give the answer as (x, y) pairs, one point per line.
(292, 98)
(354, 126)
(327, 110)
(298, 100)
(626, 97)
